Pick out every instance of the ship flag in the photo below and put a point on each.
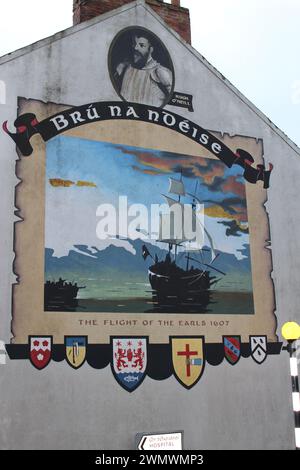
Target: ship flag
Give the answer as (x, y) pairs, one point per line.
(145, 252)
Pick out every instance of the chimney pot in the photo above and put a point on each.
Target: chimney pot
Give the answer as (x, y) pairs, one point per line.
(176, 18)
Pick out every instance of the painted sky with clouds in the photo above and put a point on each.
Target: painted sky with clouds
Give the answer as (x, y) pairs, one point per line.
(110, 171)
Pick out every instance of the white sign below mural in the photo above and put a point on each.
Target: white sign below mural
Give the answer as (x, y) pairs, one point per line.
(164, 441)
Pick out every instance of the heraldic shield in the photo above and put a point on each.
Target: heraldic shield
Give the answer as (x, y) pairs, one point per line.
(129, 361)
(75, 350)
(232, 348)
(188, 360)
(258, 348)
(40, 351)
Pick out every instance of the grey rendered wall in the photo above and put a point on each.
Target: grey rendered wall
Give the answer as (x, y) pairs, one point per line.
(242, 407)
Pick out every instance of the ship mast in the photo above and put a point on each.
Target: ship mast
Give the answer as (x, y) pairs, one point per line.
(173, 226)
(179, 197)
(209, 237)
(193, 209)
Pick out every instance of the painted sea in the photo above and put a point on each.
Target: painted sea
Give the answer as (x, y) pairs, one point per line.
(221, 303)
(107, 289)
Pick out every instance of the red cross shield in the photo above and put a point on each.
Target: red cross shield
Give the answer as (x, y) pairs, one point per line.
(188, 360)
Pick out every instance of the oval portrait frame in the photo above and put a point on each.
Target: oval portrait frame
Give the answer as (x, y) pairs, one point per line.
(117, 54)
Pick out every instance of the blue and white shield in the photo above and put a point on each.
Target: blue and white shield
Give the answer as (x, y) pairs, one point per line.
(129, 361)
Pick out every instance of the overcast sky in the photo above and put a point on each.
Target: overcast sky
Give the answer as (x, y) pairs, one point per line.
(254, 43)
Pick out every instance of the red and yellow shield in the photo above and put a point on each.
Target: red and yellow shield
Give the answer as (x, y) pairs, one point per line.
(188, 360)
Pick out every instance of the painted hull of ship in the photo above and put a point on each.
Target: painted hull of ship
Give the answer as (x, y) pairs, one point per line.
(185, 288)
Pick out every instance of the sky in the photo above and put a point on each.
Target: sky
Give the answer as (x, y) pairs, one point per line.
(253, 43)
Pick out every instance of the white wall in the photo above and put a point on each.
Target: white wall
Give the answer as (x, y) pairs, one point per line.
(242, 407)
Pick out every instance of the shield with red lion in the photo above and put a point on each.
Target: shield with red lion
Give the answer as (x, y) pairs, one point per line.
(40, 351)
(129, 361)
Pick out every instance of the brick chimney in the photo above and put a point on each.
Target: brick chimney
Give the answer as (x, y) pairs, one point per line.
(173, 14)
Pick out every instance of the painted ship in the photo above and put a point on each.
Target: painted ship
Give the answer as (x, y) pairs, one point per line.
(182, 280)
(61, 295)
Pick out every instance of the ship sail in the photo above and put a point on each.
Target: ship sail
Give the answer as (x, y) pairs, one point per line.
(213, 251)
(171, 202)
(172, 225)
(170, 229)
(176, 187)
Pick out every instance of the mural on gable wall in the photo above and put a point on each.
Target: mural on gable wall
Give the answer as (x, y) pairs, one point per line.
(108, 271)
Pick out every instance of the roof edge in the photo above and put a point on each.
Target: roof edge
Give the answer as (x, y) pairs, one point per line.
(227, 82)
(67, 32)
